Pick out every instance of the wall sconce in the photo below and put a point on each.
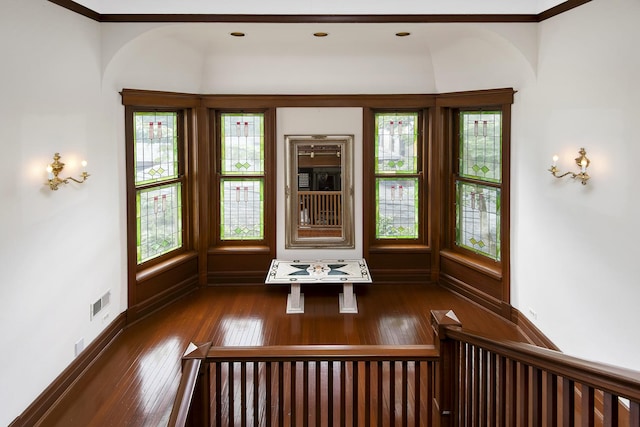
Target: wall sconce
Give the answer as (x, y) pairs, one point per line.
(583, 163)
(54, 169)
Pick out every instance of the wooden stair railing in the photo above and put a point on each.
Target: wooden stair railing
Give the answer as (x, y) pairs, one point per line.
(464, 380)
(306, 385)
(487, 382)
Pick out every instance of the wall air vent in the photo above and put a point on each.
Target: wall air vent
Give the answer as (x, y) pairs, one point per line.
(101, 303)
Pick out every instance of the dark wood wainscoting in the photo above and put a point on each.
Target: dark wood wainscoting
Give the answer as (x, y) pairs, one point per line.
(160, 285)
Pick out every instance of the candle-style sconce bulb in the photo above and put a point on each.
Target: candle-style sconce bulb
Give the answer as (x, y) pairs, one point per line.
(54, 169)
(583, 163)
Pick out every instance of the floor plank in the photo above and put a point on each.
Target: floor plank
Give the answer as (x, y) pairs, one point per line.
(134, 381)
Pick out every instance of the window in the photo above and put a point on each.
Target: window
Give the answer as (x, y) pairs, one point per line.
(398, 175)
(242, 176)
(478, 183)
(158, 184)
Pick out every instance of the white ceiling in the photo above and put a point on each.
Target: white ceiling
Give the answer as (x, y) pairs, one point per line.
(320, 7)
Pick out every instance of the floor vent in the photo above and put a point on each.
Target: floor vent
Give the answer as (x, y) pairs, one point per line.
(101, 303)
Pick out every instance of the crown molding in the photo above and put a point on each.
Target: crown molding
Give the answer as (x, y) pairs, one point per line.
(322, 19)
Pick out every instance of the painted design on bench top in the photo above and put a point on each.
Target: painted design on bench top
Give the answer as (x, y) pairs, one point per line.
(322, 270)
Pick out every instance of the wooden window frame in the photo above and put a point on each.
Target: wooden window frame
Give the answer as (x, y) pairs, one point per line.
(370, 179)
(268, 221)
(474, 275)
(133, 189)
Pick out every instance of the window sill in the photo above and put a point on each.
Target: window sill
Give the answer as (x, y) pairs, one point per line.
(492, 269)
(406, 247)
(161, 267)
(253, 249)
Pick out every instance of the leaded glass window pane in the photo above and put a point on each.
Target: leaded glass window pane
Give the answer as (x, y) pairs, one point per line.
(396, 143)
(242, 182)
(156, 147)
(159, 220)
(397, 175)
(397, 208)
(241, 209)
(481, 145)
(242, 144)
(478, 218)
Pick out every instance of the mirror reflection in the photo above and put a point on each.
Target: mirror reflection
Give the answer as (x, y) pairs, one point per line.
(319, 205)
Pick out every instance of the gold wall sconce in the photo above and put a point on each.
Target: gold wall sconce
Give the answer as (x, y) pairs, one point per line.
(54, 169)
(583, 163)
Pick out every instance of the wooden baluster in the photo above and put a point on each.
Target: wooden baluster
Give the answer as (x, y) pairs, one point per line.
(343, 394)
(305, 393)
(492, 390)
(482, 387)
(403, 393)
(268, 389)
(501, 410)
(552, 400)
(587, 405)
(475, 382)
(292, 386)
(380, 397)
(218, 406)
(330, 391)
(230, 382)
(256, 394)
(417, 394)
(281, 393)
(512, 393)
(392, 393)
(568, 402)
(318, 394)
(610, 410)
(523, 392)
(243, 393)
(465, 394)
(354, 391)
(634, 414)
(536, 397)
(367, 393)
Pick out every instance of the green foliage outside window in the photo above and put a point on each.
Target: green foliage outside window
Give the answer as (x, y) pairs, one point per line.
(396, 175)
(242, 182)
(478, 190)
(158, 186)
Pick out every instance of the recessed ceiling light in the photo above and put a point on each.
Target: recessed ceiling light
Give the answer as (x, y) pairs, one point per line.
(403, 34)
(237, 34)
(321, 34)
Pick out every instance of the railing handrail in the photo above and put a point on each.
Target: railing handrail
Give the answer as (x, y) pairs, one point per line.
(184, 396)
(319, 192)
(612, 379)
(322, 352)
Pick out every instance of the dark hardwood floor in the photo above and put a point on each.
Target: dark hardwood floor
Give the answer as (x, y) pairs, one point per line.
(134, 381)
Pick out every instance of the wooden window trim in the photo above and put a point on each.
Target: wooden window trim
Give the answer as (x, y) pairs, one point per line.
(373, 244)
(267, 243)
(183, 178)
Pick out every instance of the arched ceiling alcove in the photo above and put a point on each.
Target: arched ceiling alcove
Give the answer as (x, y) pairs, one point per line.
(277, 58)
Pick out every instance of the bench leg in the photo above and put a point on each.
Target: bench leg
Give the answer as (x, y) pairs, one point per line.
(348, 303)
(295, 300)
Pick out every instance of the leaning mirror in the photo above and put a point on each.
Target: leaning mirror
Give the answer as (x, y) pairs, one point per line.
(319, 191)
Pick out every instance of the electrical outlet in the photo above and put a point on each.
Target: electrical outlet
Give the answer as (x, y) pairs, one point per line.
(79, 346)
(533, 313)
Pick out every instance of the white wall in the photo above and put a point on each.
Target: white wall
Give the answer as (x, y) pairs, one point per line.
(575, 247)
(59, 251)
(60, 78)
